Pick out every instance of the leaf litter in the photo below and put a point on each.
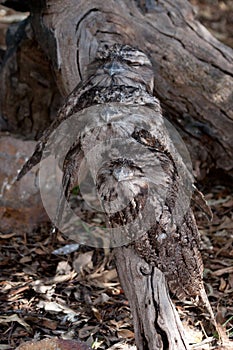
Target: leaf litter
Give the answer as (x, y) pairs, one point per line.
(76, 294)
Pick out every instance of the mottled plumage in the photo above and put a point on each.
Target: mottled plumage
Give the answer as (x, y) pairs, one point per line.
(147, 190)
(119, 74)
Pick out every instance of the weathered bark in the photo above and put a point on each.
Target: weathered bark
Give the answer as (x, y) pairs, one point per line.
(156, 322)
(193, 71)
(29, 95)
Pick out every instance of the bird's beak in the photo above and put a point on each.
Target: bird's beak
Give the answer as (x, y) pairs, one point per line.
(113, 68)
(122, 173)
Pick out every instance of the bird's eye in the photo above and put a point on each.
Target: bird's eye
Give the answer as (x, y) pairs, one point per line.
(135, 64)
(131, 62)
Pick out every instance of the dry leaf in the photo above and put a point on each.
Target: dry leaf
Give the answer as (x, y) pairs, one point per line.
(192, 334)
(25, 259)
(17, 291)
(122, 346)
(223, 271)
(40, 251)
(105, 276)
(125, 333)
(102, 298)
(230, 280)
(56, 308)
(54, 344)
(63, 268)
(5, 347)
(49, 324)
(97, 313)
(15, 318)
(226, 344)
(223, 284)
(7, 235)
(40, 287)
(83, 262)
(87, 331)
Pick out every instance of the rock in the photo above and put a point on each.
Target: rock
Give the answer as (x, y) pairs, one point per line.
(21, 207)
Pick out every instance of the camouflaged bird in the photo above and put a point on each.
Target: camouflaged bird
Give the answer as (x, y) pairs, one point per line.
(122, 78)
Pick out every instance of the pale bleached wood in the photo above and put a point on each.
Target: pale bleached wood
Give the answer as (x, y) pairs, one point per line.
(156, 322)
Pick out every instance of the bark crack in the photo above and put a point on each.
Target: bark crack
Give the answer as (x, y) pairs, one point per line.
(210, 43)
(160, 331)
(84, 17)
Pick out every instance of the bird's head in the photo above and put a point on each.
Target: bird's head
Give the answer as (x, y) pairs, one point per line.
(122, 65)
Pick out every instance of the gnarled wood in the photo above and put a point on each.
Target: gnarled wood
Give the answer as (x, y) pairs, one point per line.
(193, 71)
(156, 322)
(116, 127)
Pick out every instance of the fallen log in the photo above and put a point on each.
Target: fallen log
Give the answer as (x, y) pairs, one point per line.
(111, 129)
